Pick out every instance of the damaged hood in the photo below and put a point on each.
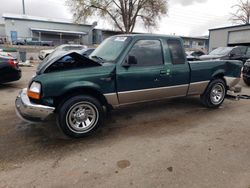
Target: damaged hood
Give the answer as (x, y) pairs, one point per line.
(54, 57)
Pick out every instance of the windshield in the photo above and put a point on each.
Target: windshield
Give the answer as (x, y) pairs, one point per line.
(111, 48)
(221, 51)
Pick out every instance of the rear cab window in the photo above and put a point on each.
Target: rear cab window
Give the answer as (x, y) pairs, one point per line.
(176, 52)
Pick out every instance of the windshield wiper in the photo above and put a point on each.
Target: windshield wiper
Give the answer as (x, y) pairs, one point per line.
(98, 58)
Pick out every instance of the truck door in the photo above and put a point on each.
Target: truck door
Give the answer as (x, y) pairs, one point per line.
(144, 76)
(140, 79)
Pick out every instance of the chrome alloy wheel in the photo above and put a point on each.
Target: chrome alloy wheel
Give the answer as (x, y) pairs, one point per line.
(217, 94)
(82, 117)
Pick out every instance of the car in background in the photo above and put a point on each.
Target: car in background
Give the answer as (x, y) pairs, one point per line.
(246, 72)
(5, 53)
(33, 41)
(194, 55)
(241, 53)
(65, 47)
(9, 69)
(18, 42)
(37, 42)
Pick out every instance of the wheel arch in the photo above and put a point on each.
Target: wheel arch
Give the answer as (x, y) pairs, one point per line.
(59, 100)
(220, 75)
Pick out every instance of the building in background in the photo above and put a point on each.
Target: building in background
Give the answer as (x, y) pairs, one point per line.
(23, 27)
(196, 43)
(229, 36)
(2, 34)
(101, 34)
(190, 43)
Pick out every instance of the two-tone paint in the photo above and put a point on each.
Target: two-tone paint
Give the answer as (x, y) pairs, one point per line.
(121, 85)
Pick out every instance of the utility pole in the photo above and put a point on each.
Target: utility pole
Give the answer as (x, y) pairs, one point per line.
(23, 7)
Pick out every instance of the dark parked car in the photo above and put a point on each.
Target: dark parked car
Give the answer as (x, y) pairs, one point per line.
(246, 72)
(32, 41)
(241, 53)
(9, 70)
(194, 55)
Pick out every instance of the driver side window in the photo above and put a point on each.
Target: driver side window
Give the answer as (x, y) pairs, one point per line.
(147, 53)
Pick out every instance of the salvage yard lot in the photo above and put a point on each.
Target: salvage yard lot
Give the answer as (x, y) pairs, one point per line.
(175, 143)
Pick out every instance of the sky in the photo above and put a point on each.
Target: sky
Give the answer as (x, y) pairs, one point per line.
(185, 17)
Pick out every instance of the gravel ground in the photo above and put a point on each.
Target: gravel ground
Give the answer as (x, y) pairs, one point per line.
(175, 143)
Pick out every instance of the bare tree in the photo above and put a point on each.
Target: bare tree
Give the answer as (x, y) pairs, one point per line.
(242, 12)
(124, 14)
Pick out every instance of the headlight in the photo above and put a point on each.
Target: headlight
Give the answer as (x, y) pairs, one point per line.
(34, 91)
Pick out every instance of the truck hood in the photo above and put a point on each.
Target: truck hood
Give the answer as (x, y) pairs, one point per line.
(211, 57)
(54, 57)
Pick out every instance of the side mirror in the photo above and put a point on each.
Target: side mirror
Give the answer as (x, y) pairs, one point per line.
(131, 60)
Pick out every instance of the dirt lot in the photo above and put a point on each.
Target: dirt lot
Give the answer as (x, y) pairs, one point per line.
(176, 143)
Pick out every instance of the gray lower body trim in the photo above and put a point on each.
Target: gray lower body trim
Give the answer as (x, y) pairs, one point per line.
(112, 99)
(144, 95)
(197, 88)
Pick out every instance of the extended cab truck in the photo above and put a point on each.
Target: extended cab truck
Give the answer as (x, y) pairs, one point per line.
(123, 70)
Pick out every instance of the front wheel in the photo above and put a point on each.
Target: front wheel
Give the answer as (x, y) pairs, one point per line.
(80, 116)
(215, 94)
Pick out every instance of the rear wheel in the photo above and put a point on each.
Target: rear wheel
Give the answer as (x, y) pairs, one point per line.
(215, 94)
(80, 116)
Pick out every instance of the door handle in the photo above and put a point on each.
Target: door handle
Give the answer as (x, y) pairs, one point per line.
(163, 72)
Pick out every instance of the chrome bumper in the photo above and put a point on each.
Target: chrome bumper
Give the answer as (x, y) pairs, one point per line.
(29, 111)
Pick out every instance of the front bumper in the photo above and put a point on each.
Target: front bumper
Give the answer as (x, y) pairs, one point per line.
(29, 111)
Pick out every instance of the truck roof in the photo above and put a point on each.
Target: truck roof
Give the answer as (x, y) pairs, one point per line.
(151, 35)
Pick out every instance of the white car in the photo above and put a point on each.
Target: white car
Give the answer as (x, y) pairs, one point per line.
(44, 53)
(5, 53)
(65, 47)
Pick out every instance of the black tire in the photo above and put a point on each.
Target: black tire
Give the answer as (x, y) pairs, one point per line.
(66, 120)
(209, 98)
(247, 82)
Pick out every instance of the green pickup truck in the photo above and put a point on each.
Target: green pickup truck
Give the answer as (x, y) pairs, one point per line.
(123, 70)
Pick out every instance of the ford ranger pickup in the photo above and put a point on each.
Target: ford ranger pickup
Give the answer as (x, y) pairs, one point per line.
(123, 70)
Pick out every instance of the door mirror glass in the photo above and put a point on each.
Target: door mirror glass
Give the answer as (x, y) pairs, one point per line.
(131, 60)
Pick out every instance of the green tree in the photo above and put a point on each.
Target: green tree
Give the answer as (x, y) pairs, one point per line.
(124, 14)
(242, 12)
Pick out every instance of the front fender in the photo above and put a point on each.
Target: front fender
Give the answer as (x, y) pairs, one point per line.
(81, 84)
